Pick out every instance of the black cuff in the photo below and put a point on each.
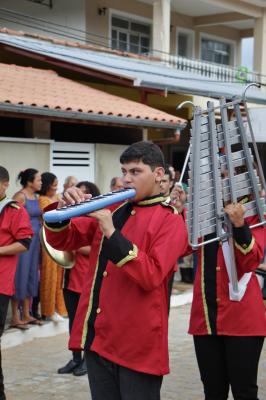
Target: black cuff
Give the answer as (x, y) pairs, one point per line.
(25, 242)
(117, 247)
(57, 225)
(242, 236)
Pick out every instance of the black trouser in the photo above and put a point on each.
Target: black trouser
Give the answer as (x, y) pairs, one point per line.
(4, 300)
(229, 360)
(109, 381)
(71, 301)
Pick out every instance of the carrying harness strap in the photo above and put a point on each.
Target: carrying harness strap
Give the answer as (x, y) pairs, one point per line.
(242, 283)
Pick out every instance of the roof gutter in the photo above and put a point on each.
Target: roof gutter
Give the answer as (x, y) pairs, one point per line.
(75, 116)
(202, 91)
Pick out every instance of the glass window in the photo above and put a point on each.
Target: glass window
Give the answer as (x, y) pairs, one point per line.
(140, 28)
(120, 23)
(185, 43)
(182, 45)
(130, 35)
(216, 51)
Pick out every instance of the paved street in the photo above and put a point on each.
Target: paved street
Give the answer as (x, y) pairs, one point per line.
(30, 369)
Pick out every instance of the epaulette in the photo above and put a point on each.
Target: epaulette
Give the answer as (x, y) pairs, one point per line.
(167, 204)
(14, 205)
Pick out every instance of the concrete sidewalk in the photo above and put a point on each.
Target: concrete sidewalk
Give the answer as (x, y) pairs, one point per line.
(30, 368)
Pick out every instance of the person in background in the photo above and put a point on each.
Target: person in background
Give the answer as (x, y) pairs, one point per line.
(69, 182)
(166, 186)
(186, 264)
(51, 292)
(116, 183)
(88, 188)
(27, 273)
(73, 282)
(15, 238)
(167, 182)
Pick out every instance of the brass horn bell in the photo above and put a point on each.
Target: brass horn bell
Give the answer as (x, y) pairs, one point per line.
(65, 259)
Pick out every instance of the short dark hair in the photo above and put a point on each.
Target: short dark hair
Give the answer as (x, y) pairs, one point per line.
(47, 180)
(4, 175)
(145, 151)
(28, 175)
(91, 188)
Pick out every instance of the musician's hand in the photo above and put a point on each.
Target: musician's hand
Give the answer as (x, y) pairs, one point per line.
(262, 266)
(235, 212)
(74, 195)
(105, 220)
(178, 197)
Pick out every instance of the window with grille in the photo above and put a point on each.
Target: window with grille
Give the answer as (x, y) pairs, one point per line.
(130, 35)
(217, 51)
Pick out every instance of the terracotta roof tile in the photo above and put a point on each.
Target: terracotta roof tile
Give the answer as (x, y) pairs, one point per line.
(81, 45)
(45, 88)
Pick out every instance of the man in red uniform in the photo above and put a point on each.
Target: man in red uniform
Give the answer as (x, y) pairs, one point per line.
(72, 288)
(229, 335)
(15, 237)
(122, 318)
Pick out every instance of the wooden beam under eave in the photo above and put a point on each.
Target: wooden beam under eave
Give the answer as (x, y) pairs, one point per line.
(238, 6)
(217, 19)
(245, 33)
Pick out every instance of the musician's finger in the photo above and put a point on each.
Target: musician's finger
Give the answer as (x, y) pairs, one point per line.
(104, 213)
(61, 203)
(74, 195)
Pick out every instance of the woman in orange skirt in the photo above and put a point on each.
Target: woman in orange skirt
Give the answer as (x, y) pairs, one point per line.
(51, 292)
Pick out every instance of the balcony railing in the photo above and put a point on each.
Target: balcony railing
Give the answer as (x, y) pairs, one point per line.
(217, 72)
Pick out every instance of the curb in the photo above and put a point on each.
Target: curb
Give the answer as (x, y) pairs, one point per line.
(14, 337)
(178, 300)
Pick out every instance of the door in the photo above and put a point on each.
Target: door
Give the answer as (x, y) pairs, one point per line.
(76, 159)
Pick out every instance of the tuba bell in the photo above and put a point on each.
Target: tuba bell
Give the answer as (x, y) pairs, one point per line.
(64, 259)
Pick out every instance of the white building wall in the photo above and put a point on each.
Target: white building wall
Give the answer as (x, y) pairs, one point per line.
(107, 164)
(65, 12)
(17, 155)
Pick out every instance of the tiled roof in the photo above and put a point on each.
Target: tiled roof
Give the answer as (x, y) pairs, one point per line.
(123, 68)
(45, 89)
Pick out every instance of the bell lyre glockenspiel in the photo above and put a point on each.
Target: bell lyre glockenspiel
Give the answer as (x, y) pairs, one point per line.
(221, 170)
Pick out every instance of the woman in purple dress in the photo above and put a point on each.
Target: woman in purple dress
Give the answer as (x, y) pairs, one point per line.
(27, 274)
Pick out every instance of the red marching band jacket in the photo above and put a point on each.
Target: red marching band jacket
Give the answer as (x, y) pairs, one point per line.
(213, 313)
(15, 226)
(122, 313)
(74, 277)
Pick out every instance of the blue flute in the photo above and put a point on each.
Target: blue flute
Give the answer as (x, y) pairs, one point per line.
(88, 206)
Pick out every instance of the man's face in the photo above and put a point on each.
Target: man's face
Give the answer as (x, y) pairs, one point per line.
(3, 188)
(165, 185)
(140, 177)
(72, 182)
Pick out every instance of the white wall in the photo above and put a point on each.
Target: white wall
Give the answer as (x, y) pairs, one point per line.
(107, 164)
(65, 12)
(17, 156)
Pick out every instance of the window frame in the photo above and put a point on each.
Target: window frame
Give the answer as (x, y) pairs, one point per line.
(189, 32)
(131, 18)
(220, 39)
